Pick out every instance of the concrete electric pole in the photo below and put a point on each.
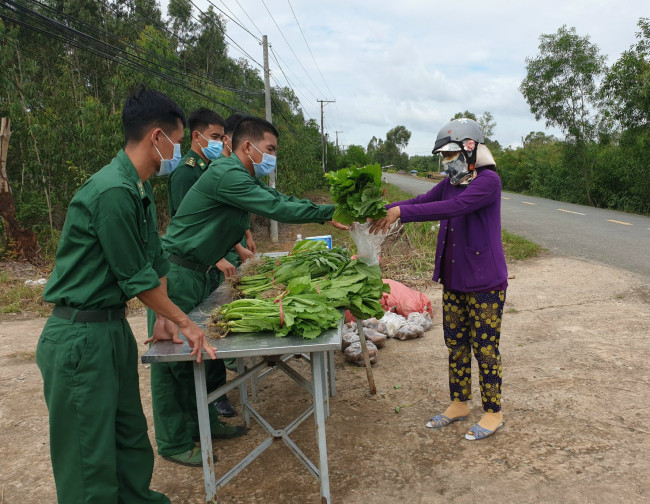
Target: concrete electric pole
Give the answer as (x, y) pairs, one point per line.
(322, 130)
(273, 231)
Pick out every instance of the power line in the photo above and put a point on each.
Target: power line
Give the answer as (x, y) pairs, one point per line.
(104, 50)
(226, 35)
(309, 48)
(291, 48)
(246, 14)
(234, 19)
(314, 60)
(291, 86)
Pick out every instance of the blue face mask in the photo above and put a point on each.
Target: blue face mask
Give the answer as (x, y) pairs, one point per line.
(169, 165)
(264, 167)
(213, 150)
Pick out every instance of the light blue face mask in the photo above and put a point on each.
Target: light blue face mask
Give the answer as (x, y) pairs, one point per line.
(214, 148)
(264, 167)
(169, 165)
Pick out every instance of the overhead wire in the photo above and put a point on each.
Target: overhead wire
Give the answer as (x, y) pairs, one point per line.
(241, 49)
(71, 36)
(291, 48)
(66, 35)
(315, 62)
(246, 14)
(234, 19)
(291, 86)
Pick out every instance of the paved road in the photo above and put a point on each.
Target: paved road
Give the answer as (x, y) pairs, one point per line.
(614, 238)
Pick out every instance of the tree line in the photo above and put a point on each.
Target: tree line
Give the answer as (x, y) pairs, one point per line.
(66, 67)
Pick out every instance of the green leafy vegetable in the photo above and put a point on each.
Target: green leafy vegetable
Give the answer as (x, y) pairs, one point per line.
(357, 194)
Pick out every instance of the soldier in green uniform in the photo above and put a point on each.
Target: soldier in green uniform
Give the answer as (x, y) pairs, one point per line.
(211, 219)
(248, 241)
(109, 252)
(207, 132)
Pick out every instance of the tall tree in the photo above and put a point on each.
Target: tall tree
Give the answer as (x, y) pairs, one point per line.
(561, 86)
(626, 88)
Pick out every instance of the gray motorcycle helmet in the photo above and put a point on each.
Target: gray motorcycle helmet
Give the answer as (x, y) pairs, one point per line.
(454, 143)
(456, 131)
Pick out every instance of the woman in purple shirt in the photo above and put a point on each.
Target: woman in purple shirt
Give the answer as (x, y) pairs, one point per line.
(471, 266)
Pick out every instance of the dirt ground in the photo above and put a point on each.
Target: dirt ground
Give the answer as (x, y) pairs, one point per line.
(576, 386)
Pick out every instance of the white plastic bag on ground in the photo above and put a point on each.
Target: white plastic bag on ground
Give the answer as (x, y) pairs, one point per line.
(420, 319)
(354, 354)
(409, 331)
(393, 322)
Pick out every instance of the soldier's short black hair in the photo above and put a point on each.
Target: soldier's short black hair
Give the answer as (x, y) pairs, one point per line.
(146, 108)
(231, 122)
(253, 129)
(201, 118)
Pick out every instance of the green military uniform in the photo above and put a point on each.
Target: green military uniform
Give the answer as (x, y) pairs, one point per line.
(109, 252)
(209, 222)
(169, 440)
(189, 170)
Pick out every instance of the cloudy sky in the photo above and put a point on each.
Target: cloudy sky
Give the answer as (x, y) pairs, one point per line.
(417, 63)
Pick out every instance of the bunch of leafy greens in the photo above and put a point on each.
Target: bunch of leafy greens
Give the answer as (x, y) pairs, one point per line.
(302, 294)
(305, 259)
(357, 287)
(357, 194)
(307, 315)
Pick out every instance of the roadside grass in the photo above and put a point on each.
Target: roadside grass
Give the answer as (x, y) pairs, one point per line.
(16, 297)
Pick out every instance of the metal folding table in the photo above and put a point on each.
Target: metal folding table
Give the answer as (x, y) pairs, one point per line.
(271, 350)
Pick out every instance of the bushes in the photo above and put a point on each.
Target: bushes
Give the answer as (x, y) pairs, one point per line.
(618, 173)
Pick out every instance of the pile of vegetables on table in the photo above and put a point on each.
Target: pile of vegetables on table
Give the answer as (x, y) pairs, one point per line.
(302, 293)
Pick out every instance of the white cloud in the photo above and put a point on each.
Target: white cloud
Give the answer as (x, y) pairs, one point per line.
(417, 63)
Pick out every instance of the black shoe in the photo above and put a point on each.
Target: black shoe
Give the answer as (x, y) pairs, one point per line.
(224, 431)
(191, 458)
(224, 408)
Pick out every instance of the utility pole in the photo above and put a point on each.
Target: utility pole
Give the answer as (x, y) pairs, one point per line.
(273, 231)
(337, 141)
(322, 130)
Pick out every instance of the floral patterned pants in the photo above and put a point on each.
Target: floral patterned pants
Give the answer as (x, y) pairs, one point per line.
(472, 321)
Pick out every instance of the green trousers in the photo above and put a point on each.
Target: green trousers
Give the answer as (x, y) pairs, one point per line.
(172, 383)
(99, 445)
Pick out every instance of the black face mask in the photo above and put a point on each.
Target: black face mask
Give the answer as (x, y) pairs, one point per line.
(460, 168)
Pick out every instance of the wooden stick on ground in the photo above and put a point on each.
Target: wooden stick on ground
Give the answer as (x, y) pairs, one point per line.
(366, 358)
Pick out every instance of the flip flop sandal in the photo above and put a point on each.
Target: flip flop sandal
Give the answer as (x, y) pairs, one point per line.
(440, 421)
(477, 432)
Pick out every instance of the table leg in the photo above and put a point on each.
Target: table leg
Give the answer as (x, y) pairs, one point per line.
(332, 373)
(254, 388)
(326, 396)
(317, 366)
(243, 393)
(204, 431)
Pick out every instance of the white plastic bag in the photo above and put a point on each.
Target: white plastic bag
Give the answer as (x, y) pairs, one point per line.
(393, 322)
(369, 245)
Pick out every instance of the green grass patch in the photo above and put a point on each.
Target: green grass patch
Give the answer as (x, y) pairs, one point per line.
(519, 248)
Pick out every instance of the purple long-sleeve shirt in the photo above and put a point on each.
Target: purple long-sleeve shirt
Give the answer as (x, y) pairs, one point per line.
(470, 231)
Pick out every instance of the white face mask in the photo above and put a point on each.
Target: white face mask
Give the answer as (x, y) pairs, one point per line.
(264, 167)
(214, 148)
(168, 165)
